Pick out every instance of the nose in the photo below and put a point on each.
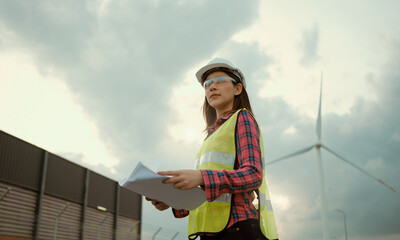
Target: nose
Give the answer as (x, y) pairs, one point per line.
(212, 86)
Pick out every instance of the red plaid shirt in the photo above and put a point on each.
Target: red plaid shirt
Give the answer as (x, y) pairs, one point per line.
(246, 177)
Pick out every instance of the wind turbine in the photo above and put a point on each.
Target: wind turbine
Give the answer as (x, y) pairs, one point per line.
(318, 146)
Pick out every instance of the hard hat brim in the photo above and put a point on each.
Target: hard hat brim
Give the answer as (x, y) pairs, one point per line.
(220, 63)
(199, 74)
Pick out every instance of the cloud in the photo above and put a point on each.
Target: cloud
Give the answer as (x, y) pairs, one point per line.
(364, 136)
(252, 61)
(374, 123)
(309, 46)
(122, 62)
(368, 142)
(100, 168)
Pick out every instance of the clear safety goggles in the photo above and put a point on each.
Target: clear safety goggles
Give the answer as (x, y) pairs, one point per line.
(219, 79)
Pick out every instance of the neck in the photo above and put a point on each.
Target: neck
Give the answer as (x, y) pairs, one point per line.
(223, 110)
(222, 113)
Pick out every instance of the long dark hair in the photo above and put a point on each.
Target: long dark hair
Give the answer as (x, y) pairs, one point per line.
(240, 101)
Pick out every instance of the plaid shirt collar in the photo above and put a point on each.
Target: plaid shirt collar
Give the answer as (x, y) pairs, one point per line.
(219, 122)
(222, 119)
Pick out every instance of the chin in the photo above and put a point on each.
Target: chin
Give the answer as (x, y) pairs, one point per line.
(213, 104)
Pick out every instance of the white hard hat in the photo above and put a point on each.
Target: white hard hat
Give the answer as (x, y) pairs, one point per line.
(223, 63)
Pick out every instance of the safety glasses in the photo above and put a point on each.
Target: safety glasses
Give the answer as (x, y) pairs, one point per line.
(219, 79)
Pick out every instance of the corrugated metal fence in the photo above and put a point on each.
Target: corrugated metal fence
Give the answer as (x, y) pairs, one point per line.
(17, 211)
(43, 196)
(59, 219)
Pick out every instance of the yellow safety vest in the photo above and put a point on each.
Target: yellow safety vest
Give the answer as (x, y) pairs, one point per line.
(219, 152)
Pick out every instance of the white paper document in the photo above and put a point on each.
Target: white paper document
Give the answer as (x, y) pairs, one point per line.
(148, 183)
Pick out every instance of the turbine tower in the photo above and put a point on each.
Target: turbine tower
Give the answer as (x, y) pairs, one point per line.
(318, 146)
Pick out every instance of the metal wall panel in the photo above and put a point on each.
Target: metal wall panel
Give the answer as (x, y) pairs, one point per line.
(98, 225)
(21, 166)
(130, 204)
(20, 162)
(65, 179)
(128, 228)
(69, 217)
(17, 211)
(101, 192)
(14, 238)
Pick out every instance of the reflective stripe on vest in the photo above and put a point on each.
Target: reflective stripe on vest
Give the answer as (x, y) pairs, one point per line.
(224, 198)
(265, 202)
(215, 157)
(219, 152)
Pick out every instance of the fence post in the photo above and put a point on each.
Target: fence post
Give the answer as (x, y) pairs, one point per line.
(40, 196)
(133, 227)
(345, 225)
(154, 236)
(99, 226)
(85, 203)
(116, 211)
(58, 216)
(176, 234)
(5, 193)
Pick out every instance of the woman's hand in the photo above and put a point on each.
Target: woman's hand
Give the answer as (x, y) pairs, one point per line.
(159, 205)
(184, 179)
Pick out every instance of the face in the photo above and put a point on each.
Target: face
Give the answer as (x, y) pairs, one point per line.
(221, 95)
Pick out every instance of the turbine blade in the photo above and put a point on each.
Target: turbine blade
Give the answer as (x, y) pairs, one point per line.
(359, 168)
(318, 129)
(291, 155)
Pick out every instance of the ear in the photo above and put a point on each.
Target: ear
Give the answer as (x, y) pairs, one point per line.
(238, 89)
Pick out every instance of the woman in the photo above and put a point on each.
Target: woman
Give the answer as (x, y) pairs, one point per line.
(229, 165)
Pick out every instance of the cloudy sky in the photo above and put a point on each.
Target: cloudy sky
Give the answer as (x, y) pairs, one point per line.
(108, 83)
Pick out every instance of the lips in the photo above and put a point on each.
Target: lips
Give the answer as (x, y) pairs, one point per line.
(214, 95)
